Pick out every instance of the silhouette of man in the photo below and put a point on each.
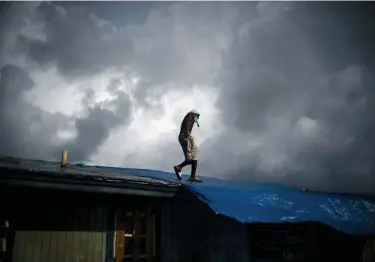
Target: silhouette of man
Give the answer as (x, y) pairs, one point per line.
(189, 146)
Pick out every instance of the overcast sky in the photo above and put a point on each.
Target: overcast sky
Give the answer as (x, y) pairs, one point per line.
(285, 90)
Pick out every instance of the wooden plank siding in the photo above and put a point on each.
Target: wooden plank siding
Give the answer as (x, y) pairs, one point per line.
(64, 246)
(79, 227)
(368, 252)
(57, 226)
(68, 234)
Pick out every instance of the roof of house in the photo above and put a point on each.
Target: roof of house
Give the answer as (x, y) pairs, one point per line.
(257, 202)
(45, 174)
(247, 202)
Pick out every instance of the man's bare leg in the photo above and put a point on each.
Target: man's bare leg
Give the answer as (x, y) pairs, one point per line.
(193, 177)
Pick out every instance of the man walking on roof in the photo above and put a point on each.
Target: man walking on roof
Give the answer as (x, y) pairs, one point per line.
(189, 146)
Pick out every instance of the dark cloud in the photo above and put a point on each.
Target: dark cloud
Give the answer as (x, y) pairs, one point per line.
(25, 130)
(295, 83)
(92, 131)
(28, 131)
(314, 61)
(81, 44)
(76, 41)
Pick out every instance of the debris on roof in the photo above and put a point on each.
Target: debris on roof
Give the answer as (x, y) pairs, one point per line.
(82, 164)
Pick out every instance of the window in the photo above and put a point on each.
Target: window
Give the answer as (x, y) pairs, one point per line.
(135, 236)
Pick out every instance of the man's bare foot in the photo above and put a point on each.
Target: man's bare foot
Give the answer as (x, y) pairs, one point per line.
(195, 179)
(177, 171)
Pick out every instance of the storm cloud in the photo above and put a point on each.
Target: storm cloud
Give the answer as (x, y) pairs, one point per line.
(286, 90)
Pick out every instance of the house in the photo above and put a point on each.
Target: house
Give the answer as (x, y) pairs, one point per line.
(90, 213)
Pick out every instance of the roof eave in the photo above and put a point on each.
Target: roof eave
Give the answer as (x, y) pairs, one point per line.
(88, 188)
(23, 178)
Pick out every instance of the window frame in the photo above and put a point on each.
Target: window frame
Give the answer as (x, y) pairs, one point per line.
(120, 235)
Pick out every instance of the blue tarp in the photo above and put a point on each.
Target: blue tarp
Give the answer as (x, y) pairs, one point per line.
(252, 202)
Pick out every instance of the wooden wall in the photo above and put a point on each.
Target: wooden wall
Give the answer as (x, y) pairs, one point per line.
(191, 232)
(62, 226)
(56, 226)
(368, 252)
(59, 246)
